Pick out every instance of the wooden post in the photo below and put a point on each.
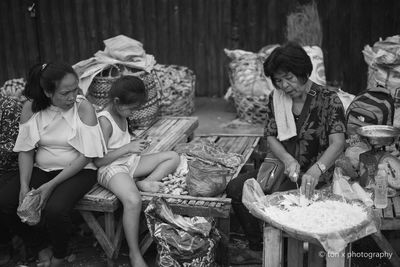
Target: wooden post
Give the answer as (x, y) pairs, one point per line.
(295, 252)
(273, 247)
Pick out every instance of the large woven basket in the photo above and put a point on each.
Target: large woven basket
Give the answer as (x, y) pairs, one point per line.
(177, 90)
(147, 114)
(98, 94)
(251, 108)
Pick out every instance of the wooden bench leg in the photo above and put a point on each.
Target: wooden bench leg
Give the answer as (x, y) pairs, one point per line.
(316, 255)
(273, 247)
(99, 233)
(385, 246)
(295, 252)
(223, 248)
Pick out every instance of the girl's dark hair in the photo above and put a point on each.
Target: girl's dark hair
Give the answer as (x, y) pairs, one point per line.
(290, 57)
(129, 90)
(45, 77)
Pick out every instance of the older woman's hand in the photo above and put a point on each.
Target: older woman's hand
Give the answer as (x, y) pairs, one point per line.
(292, 170)
(310, 180)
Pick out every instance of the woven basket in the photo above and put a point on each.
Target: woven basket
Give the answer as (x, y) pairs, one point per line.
(98, 94)
(177, 90)
(147, 114)
(98, 90)
(252, 109)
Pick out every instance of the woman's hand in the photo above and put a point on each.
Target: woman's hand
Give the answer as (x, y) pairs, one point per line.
(292, 170)
(44, 191)
(137, 146)
(22, 193)
(310, 180)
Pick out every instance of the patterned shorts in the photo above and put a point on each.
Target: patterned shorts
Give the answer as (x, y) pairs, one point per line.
(125, 165)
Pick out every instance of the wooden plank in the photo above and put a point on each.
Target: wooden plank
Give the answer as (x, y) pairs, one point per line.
(295, 253)
(98, 232)
(184, 197)
(388, 211)
(396, 206)
(314, 255)
(273, 247)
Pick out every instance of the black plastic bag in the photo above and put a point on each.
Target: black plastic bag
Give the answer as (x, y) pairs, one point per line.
(181, 241)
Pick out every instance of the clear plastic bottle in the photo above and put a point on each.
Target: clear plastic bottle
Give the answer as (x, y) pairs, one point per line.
(380, 200)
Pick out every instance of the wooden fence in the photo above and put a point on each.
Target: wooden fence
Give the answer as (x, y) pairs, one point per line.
(192, 33)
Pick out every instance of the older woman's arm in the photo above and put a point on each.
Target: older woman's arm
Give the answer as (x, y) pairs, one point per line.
(292, 167)
(311, 177)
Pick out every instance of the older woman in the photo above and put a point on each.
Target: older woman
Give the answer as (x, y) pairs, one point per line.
(58, 136)
(305, 129)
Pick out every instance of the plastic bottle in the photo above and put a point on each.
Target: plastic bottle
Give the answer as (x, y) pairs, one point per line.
(380, 200)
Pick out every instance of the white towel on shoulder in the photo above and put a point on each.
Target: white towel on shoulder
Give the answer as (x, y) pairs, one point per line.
(284, 118)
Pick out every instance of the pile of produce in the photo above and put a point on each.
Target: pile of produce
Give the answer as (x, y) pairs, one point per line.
(318, 217)
(13, 89)
(174, 185)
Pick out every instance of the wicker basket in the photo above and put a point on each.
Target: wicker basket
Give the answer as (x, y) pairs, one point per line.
(147, 114)
(98, 94)
(252, 109)
(177, 90)
(98, 90)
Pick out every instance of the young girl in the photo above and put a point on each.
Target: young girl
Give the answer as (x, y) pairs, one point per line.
(123, 164)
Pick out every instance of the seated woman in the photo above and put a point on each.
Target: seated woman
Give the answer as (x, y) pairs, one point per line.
(58, 137)
(305, 130)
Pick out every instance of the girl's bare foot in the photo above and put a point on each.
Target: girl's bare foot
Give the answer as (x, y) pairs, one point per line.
(149, 186)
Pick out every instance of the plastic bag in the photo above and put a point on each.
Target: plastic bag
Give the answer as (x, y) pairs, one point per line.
(205, 180)
(28, 210)
(181, 241)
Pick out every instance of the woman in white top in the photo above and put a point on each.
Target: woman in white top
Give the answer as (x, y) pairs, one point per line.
(123, 165)
(58, 137)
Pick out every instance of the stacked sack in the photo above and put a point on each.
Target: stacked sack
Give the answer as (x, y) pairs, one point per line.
(383, 60)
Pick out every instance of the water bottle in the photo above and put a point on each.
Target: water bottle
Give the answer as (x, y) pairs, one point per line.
(380, 200)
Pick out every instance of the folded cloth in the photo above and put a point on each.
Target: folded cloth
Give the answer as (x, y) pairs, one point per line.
(283, 115)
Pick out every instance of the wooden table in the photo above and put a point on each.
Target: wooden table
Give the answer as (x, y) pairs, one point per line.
(164, 134)
(390, 220)
(216, 207)
(317, 257)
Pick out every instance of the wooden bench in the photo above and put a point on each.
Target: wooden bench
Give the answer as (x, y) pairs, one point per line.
(164, 134)
(216, 207)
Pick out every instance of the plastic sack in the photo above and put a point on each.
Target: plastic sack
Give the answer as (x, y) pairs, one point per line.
(206, 180)
(332, 241)
(246, 73)
(28, 210)
(181, 241)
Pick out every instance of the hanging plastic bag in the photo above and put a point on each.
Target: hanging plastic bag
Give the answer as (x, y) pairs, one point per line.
(181, 241)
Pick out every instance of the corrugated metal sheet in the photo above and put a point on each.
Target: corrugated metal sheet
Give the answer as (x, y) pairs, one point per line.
(192, 33)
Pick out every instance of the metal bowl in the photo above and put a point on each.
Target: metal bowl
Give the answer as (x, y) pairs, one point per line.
(379, 135)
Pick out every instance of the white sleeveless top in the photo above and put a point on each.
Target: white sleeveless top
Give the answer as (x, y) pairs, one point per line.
(118, 137)
(59, 137)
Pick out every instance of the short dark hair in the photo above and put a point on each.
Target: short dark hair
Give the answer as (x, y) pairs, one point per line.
(290, 57)
(129, 89)
(45, 78)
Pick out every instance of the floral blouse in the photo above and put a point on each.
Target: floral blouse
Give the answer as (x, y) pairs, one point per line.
(10, 111)
(326, 116)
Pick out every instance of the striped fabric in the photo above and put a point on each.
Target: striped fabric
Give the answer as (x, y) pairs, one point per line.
(375, 106)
